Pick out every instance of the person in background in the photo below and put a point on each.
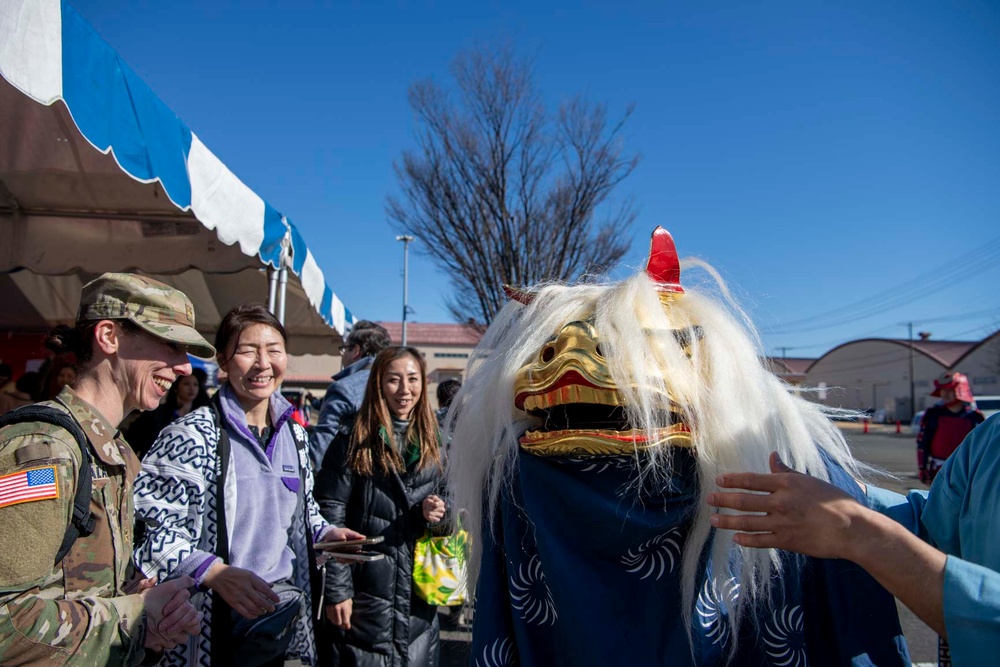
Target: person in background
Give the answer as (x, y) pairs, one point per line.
(302, 402)
(25, 391)
(91, 606)
(187, 393)
(65, 376)
(446, 392)
(945, 425)
(382, 478)
(344, 395)
(201, 375)
(56, 373)
(225, 493)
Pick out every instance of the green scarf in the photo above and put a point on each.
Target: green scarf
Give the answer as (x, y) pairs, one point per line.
(410, 453)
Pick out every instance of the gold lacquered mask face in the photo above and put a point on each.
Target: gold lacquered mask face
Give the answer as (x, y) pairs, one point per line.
(569, 385)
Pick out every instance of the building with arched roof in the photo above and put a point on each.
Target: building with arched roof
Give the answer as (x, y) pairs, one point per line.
(981, 365)
(874, 373)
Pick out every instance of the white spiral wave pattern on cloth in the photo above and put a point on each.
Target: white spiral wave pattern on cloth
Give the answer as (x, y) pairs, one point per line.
(709, 608)
(498, 654)
(529, 594)
(656, 555)
(784, 640)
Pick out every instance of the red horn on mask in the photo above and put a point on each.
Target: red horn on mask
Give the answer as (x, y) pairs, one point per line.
(521, 296)
(663, 267)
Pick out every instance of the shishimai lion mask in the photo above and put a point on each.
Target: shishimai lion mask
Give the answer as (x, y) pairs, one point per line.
(634, 368)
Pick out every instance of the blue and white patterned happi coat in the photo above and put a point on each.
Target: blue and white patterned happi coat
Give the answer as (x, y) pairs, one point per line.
(175, 497)
(585, 569)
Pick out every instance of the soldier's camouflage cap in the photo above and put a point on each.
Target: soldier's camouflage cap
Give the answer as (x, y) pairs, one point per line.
(158, 309)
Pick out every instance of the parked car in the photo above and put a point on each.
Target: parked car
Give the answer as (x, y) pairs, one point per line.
(988, 405)
(915, 424)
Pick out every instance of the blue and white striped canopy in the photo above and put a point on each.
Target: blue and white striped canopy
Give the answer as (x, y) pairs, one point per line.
(97, 174)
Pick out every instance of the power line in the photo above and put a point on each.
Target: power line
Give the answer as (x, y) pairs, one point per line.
(839, 341)
(968, 316)
(876, 307)
(957, 270)
(995, 311)
(977, 330)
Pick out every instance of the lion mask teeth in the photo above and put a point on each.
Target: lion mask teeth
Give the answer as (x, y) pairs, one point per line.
(569, 385)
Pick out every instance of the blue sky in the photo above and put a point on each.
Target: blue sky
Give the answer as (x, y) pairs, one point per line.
(820, 155)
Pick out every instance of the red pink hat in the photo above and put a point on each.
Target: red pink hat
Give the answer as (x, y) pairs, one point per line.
(956, 381)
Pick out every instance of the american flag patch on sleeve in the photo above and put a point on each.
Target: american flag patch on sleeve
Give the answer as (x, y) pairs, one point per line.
(28, 485)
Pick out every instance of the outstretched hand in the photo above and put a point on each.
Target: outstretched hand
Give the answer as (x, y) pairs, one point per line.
(789, 510)
(796, 512)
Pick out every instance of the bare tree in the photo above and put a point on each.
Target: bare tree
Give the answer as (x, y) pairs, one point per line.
(500, 191)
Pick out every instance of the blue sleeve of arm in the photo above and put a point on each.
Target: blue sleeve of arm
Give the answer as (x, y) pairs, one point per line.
(336, 407)
(906, 510)
(972, 612)
(957, 517)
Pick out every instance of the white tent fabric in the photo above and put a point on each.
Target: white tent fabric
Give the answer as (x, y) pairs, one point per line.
(97, 174)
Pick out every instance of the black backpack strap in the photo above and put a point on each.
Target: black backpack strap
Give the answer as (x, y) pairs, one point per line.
(301, 439)
(82, 522)
(222, 456)
(302, 449)
(222, 621)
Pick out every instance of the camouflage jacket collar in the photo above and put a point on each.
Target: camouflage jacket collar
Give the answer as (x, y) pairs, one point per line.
(100, 433)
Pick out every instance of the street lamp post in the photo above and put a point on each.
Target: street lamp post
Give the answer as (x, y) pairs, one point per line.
(406, 239)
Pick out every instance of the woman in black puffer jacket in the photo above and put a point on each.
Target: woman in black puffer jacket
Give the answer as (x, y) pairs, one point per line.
(381, 479)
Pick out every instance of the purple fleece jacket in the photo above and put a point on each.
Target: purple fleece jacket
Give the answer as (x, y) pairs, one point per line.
(268, 485)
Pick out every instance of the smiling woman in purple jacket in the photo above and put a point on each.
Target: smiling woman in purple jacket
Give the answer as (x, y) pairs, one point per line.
(226, 496)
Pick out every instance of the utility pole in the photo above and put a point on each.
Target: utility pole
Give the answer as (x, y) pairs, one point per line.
(406, 239)
(913, 395)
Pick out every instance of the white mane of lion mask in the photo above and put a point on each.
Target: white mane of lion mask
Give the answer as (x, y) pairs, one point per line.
(660, 366)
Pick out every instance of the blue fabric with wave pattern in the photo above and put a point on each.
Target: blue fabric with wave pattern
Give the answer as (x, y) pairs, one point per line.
(585, 570)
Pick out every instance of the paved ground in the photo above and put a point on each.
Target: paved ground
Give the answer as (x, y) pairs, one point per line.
(896, 454)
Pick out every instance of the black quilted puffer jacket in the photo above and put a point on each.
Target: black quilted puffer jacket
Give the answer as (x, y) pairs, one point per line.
(389, 625)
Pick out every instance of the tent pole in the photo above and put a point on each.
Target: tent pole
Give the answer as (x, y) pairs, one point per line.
(282, 274)
(272, 289)
(282, 288)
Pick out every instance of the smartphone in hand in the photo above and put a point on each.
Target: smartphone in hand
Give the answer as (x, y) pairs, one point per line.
(363, 556)
(348, 546)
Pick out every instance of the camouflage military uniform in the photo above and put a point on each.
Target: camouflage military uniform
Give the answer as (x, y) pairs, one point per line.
(75, 612)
